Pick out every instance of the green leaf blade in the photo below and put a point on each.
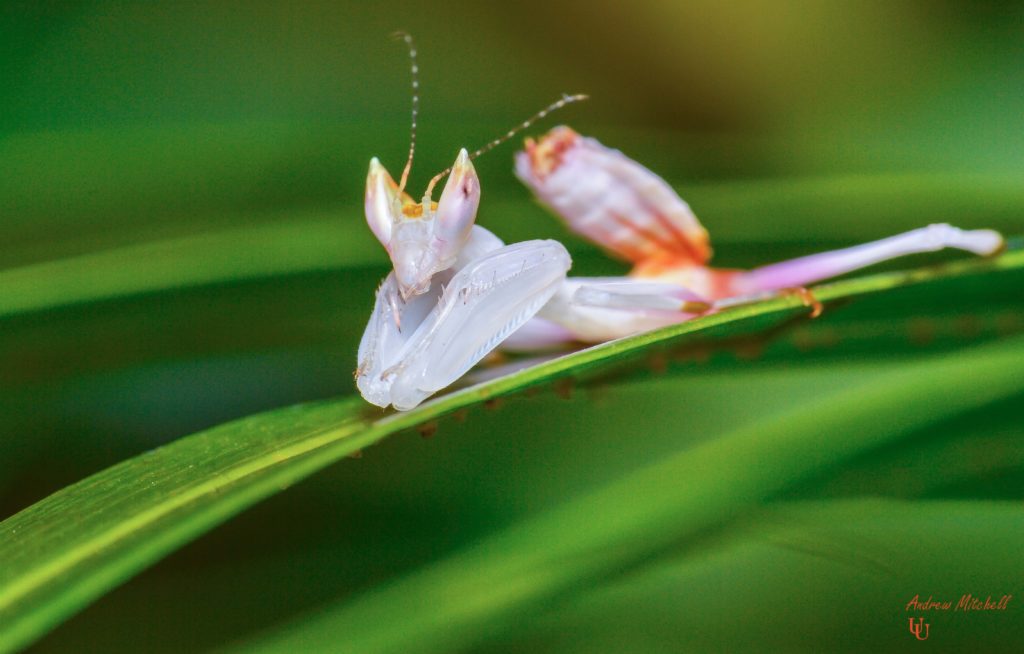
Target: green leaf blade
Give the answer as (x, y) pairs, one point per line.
(80, 542)
(453, 604)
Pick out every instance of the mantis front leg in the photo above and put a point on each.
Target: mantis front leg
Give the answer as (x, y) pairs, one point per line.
(469, 314)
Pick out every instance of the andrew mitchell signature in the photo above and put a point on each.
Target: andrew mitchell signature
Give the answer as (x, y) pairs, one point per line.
(921, 629)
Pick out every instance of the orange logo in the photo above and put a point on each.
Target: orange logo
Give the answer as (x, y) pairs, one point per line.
(917, 628)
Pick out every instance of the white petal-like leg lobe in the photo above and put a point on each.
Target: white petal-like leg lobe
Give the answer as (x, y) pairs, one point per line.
(539, 335)
(482, 305)
(632, 293)
(595, 310)
(817, 267)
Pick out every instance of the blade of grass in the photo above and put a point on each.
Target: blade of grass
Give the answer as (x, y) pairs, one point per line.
(411, 499)
(216, 258)
(68, 549)
(975, 453)
(470, 596)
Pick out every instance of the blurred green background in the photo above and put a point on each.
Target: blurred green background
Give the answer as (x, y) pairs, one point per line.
(228, 143)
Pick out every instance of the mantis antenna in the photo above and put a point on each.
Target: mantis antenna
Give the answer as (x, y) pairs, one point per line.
(415, 70)
(554, 106)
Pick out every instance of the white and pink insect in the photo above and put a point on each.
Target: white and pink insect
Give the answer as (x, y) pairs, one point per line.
(457, 291)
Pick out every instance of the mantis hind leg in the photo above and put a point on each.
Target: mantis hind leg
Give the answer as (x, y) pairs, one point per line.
(818, 267)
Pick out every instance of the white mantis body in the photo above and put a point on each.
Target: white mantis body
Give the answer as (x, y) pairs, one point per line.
(457, 291)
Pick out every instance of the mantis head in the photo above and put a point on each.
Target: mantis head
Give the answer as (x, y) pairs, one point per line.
(425, 238)
(422, 238)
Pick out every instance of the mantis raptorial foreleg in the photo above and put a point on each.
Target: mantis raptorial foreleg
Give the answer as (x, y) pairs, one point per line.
(392, 324)
(469, 315)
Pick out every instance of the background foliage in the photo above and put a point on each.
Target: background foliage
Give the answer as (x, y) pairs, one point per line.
(181, 244)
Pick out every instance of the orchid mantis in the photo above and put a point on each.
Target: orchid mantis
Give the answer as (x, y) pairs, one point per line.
(457, 292)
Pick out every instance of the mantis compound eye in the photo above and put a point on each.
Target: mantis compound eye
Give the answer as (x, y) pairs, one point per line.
(456, 210)
(382, 197)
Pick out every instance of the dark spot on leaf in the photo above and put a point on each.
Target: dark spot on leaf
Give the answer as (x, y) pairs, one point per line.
(428, 429)
(564, 388)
